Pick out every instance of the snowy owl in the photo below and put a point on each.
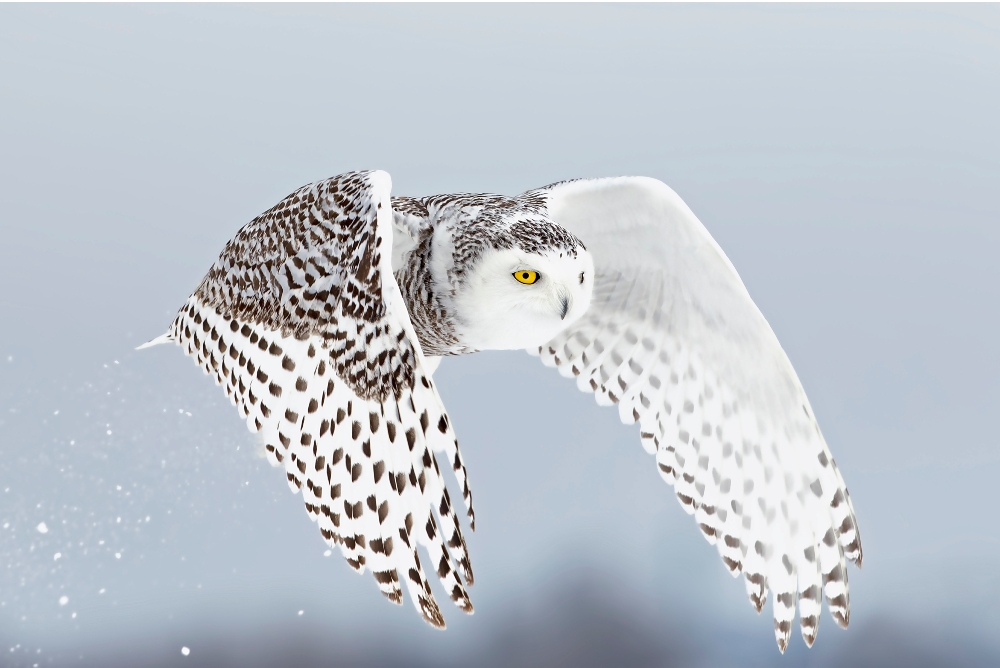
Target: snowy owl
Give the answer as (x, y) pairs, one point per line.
(325, 317)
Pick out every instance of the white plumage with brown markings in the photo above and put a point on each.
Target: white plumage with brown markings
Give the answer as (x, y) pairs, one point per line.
(324, 318)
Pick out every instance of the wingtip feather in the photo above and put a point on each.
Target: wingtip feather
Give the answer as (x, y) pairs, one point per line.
(162, 338)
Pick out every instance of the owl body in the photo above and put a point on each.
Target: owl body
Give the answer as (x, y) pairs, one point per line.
(324, 318)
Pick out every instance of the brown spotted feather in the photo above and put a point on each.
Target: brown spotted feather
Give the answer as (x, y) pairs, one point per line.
(301, 322)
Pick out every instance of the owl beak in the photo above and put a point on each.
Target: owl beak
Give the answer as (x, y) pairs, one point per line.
(564, 307)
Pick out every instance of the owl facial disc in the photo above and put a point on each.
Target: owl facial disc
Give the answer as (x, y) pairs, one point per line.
(518, 299)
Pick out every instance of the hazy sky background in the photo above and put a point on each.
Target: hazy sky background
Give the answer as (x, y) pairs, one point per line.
(847, 158)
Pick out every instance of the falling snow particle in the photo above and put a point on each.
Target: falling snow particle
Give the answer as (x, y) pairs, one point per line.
(118, 555)
(327, 553)
(63, 600)
(57, 556)
(301, 612)
(185, 651)
(42, 528)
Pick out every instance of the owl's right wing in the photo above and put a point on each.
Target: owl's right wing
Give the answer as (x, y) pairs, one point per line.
(674, 339)
(302, 323)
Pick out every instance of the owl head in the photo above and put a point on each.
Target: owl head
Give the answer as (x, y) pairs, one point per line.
(527, 283)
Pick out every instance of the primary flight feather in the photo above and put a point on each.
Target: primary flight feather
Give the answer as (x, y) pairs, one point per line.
(325, 317)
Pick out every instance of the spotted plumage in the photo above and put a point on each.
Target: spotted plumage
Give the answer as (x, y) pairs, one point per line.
(324, 318)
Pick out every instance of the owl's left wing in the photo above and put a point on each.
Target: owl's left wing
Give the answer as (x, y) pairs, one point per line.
(302, 323)
(674, 339)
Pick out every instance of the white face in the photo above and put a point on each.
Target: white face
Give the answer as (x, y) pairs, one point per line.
(515, 299)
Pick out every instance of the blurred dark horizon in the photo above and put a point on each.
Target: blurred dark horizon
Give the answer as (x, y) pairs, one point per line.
(573, 624)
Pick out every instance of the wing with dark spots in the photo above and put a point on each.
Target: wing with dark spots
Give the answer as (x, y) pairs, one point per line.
(673, 338)
(302, 323)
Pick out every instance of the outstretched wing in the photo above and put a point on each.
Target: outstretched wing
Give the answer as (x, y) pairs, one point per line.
(302, 323)
(674, 339)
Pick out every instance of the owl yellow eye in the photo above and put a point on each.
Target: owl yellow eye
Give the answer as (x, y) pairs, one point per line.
(526, 277)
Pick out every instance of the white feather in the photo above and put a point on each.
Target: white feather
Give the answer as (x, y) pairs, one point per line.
(674, 338)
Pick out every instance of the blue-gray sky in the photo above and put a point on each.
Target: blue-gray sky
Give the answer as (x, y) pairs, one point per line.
(847, 158)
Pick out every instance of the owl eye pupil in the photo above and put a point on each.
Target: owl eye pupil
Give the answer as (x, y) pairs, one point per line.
(525, 276)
